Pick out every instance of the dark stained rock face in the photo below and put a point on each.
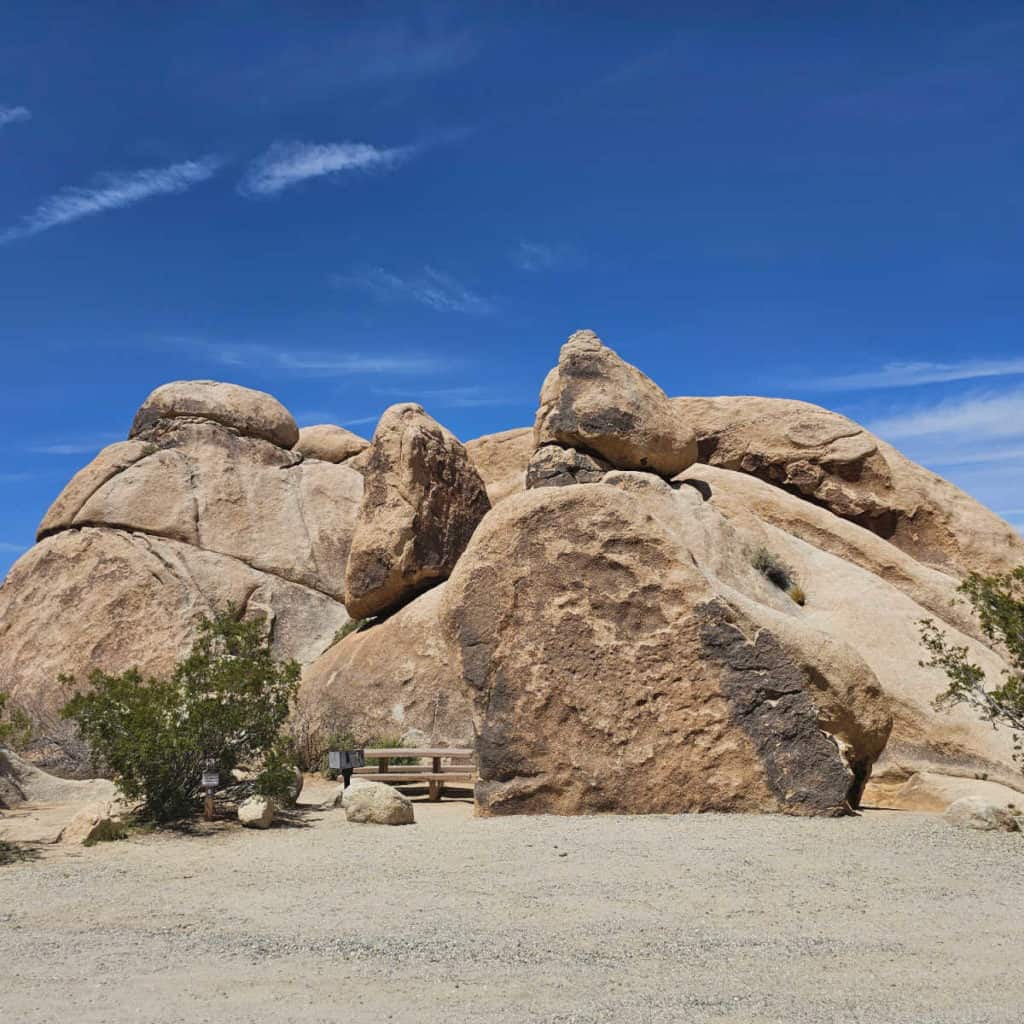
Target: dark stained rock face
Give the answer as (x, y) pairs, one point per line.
(610, 672)
(554, 466)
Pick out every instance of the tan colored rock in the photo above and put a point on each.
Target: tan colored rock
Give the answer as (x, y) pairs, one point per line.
(248, 412)
(931, 791)
(105, 598)
(501, 460)
(113, 459)
(973, 812)
(612, 672)
(233, 495)
(869, 595)
(329, 443)
(35, 786)
(257, 812)
(828, 459)
(422, 501)
(94, 822)
(595, 401)
(391, 678)
(374, 803)
(555, 466)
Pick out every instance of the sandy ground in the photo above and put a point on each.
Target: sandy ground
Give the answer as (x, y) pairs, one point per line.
(889, 918)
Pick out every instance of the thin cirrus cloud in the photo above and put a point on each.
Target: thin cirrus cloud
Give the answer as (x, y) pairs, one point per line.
(309, 362)
(977, 417)
(536, 257)
(11, 115)
(78, 446)
(907, 375)
(112, 191)
(7, 547)
(286, 164)
(432, 288)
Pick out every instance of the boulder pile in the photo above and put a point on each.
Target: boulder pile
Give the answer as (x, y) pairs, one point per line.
(587, 601)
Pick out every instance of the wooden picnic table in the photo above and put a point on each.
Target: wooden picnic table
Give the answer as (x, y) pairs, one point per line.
(435, 778)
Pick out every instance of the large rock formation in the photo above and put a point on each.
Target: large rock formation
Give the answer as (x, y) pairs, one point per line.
(613, 670)
(422, 500)
(831, 461)
(595, 401)
(201, 509)
(390, 678)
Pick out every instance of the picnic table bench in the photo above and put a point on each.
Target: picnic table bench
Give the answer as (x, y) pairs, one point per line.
(459, 771)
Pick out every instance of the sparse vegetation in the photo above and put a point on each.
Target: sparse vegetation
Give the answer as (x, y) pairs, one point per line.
(277, 776)
(998, 601)
(15, 725)
(352, 626)
(779, 573)
(228, 701)
(109, 831)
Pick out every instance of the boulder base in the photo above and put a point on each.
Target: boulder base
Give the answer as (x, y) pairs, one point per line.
(975, 812)
(257, 812)
(375, 803)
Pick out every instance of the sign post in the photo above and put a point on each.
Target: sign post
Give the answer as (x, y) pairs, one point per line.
(211, 780)
(344, 761)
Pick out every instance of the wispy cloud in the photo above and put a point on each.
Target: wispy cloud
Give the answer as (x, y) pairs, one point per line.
(16, 549)
(359, 421)
(313, 362)
(288, 163)
(432, 288)
(906, 375)
(540, 256)
(975, 417)
(470, 397)
(11, 115)
(77, 446)
(111, 191)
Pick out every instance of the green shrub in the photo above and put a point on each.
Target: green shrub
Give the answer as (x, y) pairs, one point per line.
(227, 700)
(15, 726)
(777, 572)
(277, 776)
(998, 601)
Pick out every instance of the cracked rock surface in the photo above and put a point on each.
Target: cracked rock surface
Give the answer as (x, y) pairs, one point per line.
(199, 510)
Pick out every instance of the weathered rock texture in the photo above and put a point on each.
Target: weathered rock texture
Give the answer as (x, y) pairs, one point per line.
(612, 673)
(595, 401)
(501, 460)
(422, 501)
(248, 412)
(329, 443)
(390, 678)
(197, 512)
(257, 812)
(833, 462)
(554, 466)
(374, 803)
(974, 812)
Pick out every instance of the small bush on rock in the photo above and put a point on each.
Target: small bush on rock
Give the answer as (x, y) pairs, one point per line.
(998, 602)
(776, 571)
(227, 700)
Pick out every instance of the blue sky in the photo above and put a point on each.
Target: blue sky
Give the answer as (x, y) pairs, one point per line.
(351, 205)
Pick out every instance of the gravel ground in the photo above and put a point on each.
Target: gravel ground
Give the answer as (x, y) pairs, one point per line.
(888, 918)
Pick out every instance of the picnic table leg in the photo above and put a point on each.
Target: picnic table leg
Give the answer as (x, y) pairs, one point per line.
(436, 788)
(382, 765)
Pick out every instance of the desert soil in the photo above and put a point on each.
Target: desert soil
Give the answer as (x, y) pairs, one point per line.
(888, 918)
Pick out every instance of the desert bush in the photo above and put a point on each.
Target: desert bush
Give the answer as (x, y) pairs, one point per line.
(15, 725)
(998, 601)
(228, 700)
(776, 571)
(109, 831)
(311, 732)
(277, 775)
